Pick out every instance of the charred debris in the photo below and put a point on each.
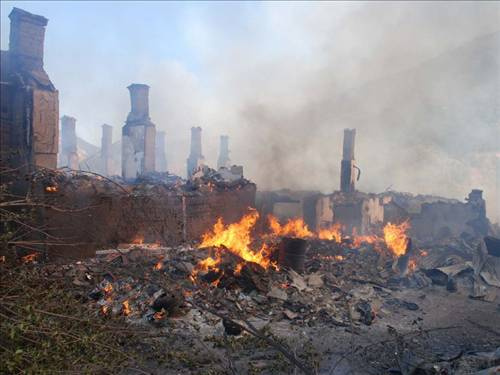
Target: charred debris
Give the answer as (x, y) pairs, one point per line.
(207, 275)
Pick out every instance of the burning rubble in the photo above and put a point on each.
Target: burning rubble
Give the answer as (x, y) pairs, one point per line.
(233, 279)
(194, 279)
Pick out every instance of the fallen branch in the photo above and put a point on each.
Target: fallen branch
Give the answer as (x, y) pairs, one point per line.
(253, 331)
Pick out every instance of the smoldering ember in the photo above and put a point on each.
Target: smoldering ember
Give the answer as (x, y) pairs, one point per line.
(117, 259)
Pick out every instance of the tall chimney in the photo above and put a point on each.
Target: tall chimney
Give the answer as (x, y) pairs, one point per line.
(106, 144)
(223, 160)
(68, 142)
(138, 135)
(27, 34)
(347, 167)
(195, 157)
(161, 158)
(139, 102)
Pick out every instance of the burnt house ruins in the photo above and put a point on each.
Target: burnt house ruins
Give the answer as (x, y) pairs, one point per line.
(106, 245)
(29, 128)
(30, 136)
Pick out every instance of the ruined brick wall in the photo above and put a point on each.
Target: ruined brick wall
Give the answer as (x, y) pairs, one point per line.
(202, 211)
(442, 219)
(103, 216)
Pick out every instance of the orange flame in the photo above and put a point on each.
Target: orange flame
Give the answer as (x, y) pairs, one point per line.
(412, 265)
(138, 240)
(159, 315)
(333, 233)
(158, 266)
(293, 227)
(51, 189)
(238, 268)
(395, 237)
(358, 240)
(104, 310)
(108, 288)
(126, 308)
(29, 258)
(236, 238)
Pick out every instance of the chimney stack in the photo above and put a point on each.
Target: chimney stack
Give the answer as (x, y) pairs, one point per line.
(138, 135)
(223, 160)
(27, 34)
(161, 158)
(106, 144)
(347, 166)
(69, 142)
(139, 102)
(195, 157)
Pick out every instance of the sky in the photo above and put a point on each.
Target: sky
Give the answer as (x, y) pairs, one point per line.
(283, 79)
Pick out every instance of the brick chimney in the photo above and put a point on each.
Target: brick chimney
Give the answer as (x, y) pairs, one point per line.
(68, 142)
(106, 144)
(139, 102)
(347, 175)
(138, 135)
(27, 34)
(223, 160)
(195, 157)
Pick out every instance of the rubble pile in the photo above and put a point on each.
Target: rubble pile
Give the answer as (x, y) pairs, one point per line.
(342, 288)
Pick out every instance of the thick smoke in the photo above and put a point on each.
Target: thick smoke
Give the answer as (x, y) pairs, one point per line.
(419, 80)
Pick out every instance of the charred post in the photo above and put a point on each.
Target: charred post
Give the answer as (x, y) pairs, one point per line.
(347, 175)
(138, 135)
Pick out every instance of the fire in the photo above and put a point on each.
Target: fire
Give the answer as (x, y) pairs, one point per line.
(51, 189)
(104, 310)
(126, 308)
(236, 238)
(412, 265)
(238, 268)
(108, 288)
(29, 258)
(138, 240)
(371, 239)
(293, 228)
(395, 237)
(333, 233)
(159, 315)
(158, 266)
